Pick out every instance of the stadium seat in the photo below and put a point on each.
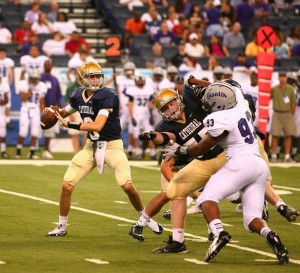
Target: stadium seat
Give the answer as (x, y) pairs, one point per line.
(203, 61)
(235, 51)
(225, 61)
(60, 60)
(289, 64)
(10, 48)
(293, 21)
(169, 51)
(284, 12)
(137, 41)
(44, 37)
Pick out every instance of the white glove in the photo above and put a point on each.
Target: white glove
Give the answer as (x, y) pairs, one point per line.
(174, 150)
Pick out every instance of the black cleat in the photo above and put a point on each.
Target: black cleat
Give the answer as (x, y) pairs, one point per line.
(278, 248)
(136, 232)
(288, 212)
(167, 214)
(217, 244)
(172, 247)
(211, 237)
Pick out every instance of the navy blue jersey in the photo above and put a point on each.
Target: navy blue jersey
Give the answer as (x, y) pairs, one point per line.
(88, 108)
(192, 130)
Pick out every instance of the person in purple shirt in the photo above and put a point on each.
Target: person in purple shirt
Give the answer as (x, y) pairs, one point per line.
(213, 21)
(53, 97)
(245, 15)
(164, 36)
(261, 9)
(33, 41)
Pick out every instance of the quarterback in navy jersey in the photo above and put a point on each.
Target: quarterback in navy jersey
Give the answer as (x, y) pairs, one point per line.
(99, 109)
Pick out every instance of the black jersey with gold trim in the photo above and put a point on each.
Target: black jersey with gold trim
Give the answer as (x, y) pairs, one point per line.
(89, 107)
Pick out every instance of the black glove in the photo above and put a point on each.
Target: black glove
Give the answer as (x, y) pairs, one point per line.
(133, 121)
(147, 135)
(188, 80)
(198, 90)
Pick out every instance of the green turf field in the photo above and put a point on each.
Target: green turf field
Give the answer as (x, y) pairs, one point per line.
(101, 218)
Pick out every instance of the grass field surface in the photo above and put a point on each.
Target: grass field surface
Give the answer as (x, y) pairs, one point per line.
(101, 217)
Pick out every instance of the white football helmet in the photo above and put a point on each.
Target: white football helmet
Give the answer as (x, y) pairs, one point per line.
(129, 69)
(33, 77)
(219, 96)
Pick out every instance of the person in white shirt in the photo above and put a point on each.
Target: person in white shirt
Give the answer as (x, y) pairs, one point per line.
(32, 93)
(32, 61)
(5, 35)
(6, 73)
(55, 46)
(4, 99)
(193, 48)
(42, 26)
(140, 105)
(64, 25)
(133, 3)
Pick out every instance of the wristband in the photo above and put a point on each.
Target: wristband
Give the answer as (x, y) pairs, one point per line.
(74, 125)
(183, 150)
(166, 139)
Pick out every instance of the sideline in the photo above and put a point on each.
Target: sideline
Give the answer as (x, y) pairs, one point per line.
(263, 253)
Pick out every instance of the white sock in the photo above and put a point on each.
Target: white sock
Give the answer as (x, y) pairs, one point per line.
(63, 220)
(152, 152)
(3, 147)
(279, 203)
(294, 150)
(189, 201)
(216, 227)
(178, 235)
(287, 156)
(144, 218)
(264, 231)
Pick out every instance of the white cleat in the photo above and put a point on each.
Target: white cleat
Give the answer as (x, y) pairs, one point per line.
(193, 210)
(47, 155)
(60, 230)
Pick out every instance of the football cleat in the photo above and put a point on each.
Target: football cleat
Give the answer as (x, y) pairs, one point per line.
(172, 247)
(4, 155)
(239, 208)
(167, 214)
(288, 212)
(60, 230)
(17, 156)
(278, 248)
(154, 226)
(34, 157)
(193, 210)
(210, 237)
(136, 232)
(217, 244)
(47, 155)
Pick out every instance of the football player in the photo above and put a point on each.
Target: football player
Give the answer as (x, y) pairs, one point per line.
(4, 99)
(32, 93)
(6, 72)
(98, 107)
(229, 124)
(140, 110)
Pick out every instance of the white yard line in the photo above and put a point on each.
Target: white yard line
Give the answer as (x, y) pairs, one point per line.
(263, 253)
(96, 261)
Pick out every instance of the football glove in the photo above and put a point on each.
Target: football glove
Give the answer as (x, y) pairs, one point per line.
(147, 135)
(174, 150)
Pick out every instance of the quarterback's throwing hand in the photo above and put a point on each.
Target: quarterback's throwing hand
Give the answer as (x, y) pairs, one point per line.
(64, 123)
(174, 150)
(147, 135)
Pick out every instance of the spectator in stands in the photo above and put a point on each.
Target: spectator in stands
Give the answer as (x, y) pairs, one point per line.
(197, 17)
(52, 97)
(164, 36)
(183, 7)
(83, 55)
(34, 60)
(22, 34)
(134, 3)
(252, 48)
(296, 50)
(194, 48)
(281, 49)
(179, 29)
(33, 41)
(56, 45)
(227, 11)
(172, 19)
(234, 38)
(213, 20)
(73, 44)
(53, 13)
(189, 64)
(241, 64)
(163, 3)
(5, 35)
(157, 59)
(152, 20)
(64, 25)
(42, 26)
(261, 8)
(294, 37)
(133, 26)
(189, 30)
(32, 15)
(177, 59)
(214, 47)
(245, 15)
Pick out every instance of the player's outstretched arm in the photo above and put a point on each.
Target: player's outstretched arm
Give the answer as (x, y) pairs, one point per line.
(158, 138)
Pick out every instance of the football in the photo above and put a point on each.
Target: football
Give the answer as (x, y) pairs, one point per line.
(48, 118)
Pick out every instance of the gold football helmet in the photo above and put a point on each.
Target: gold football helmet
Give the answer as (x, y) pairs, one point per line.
(163, 98)
(90, 76)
